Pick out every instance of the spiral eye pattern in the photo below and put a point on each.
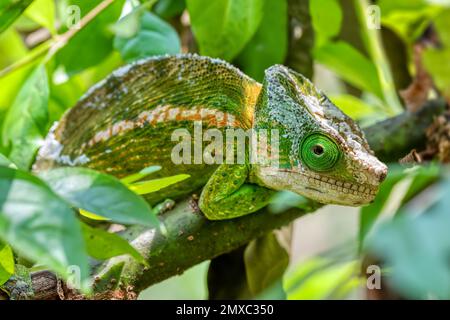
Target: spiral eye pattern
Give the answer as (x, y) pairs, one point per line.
(319, 153)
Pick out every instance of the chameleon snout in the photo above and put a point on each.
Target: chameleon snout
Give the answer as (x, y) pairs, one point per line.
(381, 174)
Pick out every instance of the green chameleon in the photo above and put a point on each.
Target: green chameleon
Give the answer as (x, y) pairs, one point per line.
(125, 123)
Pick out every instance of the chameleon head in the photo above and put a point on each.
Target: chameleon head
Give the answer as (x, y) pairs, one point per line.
(322, 153)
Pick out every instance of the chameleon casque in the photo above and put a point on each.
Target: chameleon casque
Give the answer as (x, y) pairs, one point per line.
(124, 124)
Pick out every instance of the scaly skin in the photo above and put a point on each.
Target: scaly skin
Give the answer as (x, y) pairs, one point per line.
(125, 124)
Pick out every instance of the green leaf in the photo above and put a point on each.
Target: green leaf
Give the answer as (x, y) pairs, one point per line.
(320, 278)
(370, 213)
(5, 162)
(101, 194)
(223, 27)
(358, 109)
(10, 10)
(326, 16)
(65, 92)
(64, 95)
(43, 12)
(169, 8)
(421, 177)
(350, 65)
(275, 292)
(153, 36)
(154, 185)
(140, 175)
(12, 48)
(94, 42)
(26, 122)
(92, 216)
(6, 263)
(103, 245)
(40, 225)
(265, 262)
(415, 247)
(284, 200)
(269, 44)
(436, 60)
(442, 24)
(408, 18)
(13, 81)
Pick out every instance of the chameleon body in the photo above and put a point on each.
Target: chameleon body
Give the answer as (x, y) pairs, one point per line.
(125, 124)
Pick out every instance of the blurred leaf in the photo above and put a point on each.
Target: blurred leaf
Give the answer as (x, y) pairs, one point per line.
(103, 245)
(169, 8)
(153, 36)
(154, 185)
(415, 247)
(326, 18)
(357, 109)
(65, 91)
(94, 42)
(92, 216)
(265, 262)
(370, 213)
(6, 263)
(408, 18)
(284, 200)
(101, 194)
(5, 162)
(10, 85)
(275, 292)
(100, 71)
(64, 95)
(319, 278)
(436, 61)
(422, 177)
(10, 10)
(43, 12)
(12, 47)
(269, 44)
(26, 122)
(128, 26)
(350, 65)
(13, 81)
(191, 285)
(223, 27)
(140, 175)
(39, 224)
(442, 24)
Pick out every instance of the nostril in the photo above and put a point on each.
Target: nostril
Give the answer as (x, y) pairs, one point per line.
(382, 175)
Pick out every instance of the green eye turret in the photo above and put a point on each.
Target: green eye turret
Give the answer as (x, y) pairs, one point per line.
(319, 153)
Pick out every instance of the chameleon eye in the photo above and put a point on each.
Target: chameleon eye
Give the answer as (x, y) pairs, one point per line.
(319, 152)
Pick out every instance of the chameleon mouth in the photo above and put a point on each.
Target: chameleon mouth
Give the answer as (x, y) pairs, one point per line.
(318, 183)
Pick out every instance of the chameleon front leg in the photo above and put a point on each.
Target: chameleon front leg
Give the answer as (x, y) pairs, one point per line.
(228, 195)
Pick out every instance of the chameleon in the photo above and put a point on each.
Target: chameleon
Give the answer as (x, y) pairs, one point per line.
(125, 123)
